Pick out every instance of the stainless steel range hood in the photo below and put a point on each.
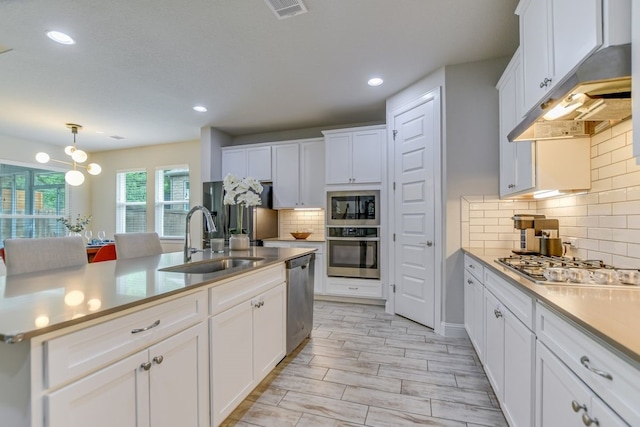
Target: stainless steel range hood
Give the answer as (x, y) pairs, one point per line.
(594, 97)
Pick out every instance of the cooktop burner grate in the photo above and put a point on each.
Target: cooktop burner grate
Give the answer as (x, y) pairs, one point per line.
(533, 266)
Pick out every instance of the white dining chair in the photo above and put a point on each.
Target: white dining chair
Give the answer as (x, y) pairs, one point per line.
(31, 255)
(134, 245)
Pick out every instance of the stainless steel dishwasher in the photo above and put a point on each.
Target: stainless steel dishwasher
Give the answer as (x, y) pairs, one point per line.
(299, 299)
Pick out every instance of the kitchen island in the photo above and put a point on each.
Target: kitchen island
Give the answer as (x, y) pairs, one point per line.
(128, 342)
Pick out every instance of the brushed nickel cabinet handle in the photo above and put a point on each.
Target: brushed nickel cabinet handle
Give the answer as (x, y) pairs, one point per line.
(146, 366)
(469, 281)
(146, 328)
(576, 406)
(497, 313)
(158, 359)
(587, 420)
(585, 362)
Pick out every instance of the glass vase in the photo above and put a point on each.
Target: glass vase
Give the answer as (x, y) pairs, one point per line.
(239, 242)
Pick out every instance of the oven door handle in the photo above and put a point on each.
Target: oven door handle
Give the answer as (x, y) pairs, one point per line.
(352, 239)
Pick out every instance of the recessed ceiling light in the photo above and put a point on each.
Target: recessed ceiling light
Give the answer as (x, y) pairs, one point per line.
(59, 37)
(200, 109)
(99, 131)
(376, 81)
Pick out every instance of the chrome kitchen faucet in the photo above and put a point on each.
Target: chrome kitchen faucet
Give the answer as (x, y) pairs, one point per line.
(188, 250)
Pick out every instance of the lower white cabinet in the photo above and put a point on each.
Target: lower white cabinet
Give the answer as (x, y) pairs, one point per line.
(564, 400)
(509, 361)
(474, 311)
(247, 342)
(164, 385)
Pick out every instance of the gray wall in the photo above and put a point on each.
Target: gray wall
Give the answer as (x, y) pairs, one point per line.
(472, 159)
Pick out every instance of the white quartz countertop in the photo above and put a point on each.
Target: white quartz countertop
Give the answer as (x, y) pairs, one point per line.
(610, 314)
(36, 303)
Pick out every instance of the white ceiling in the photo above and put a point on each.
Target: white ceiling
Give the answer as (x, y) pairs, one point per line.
(139, 66)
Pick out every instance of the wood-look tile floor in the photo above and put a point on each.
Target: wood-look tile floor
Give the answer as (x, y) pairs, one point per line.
(362, 366)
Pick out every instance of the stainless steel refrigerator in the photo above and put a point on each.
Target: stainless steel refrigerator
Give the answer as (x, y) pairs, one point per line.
(260, 222)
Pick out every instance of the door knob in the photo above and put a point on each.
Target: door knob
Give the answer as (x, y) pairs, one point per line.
(427, 243)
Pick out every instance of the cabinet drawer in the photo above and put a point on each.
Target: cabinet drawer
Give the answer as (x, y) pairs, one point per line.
(365, 289)
(239, 289)
(518, 302)
(618, 383)
(474, 267)
(78, 353)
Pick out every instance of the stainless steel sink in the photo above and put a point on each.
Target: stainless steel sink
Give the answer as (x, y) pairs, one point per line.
(214, 265)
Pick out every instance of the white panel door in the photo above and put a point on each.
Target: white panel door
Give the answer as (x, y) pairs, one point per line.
(234, 161)
(269, 330)
(415, 159)
(259, 163)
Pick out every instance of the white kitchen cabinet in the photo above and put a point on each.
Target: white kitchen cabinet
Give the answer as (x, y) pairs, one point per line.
(358, 288)
(551, 45)
(355, 156)
(509, 348)
(319, 269)
(593, 375)
(298, 174)
(474, 304)
(564, 400)
(164, 385)
(509, 362)
(247, 337)
(494, 342)
(517, 172)
(247, 161)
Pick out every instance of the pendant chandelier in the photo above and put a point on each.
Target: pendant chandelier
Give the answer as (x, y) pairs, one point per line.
(74, 176)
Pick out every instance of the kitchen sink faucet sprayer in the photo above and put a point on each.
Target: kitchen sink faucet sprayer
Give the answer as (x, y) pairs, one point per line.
(188, 250)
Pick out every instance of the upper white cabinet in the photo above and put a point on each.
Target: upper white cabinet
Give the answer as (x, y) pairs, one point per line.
(355, 156)
(247, 161)
(516, 159)
(556, 35)
(298, 174)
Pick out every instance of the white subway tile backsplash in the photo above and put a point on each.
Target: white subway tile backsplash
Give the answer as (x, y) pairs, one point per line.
(605, 221)
(613, 221)
(612, 144)
(629, 180)
(290, 220)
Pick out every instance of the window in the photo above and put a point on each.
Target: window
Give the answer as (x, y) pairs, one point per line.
(32, 201)
(172, 200)
(131, 201)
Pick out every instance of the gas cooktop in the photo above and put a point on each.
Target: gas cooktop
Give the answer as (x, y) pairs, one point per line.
(539, 268)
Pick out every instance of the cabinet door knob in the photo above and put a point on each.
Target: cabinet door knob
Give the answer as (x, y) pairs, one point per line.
(146, 366)
(587, 420)
(585, 362)
(497, 313)
(576, 406)
(469, 281)
(158, 359)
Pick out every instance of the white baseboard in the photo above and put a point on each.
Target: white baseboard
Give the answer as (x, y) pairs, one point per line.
(453, 330)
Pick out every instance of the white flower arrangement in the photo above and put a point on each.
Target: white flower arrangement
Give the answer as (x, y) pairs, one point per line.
(244, 192)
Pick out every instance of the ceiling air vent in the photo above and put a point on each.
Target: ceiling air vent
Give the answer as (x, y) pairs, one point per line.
(286, 8)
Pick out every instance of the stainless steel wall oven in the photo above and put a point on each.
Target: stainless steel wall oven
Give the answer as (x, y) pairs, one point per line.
(353, 252)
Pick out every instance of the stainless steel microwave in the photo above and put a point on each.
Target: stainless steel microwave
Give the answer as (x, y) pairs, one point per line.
(353, 208)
